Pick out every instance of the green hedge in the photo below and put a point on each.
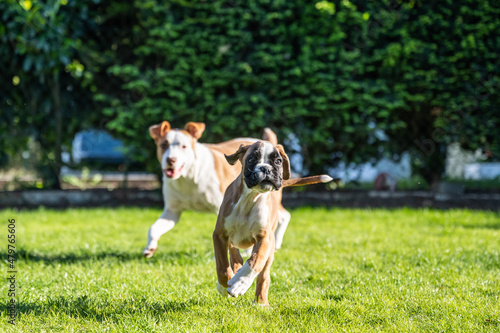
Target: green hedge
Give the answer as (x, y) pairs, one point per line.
(337, 74)
(353, 80)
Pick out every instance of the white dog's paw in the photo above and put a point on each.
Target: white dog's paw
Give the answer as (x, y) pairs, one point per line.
(150, 249)
(222, 290)
(148, 252)
(241, 281)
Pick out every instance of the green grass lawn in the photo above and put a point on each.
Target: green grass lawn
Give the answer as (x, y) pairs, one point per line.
(81, 270)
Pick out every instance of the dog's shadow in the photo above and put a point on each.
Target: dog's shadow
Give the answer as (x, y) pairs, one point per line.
(185, 257)
(107, 309)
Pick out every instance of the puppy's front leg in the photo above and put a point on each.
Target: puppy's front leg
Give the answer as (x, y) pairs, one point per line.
(236, 259)
(263, 282)
(243, 279)
(224, 271)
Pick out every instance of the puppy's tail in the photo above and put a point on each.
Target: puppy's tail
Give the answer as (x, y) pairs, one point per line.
(306, 180)
(270, 136)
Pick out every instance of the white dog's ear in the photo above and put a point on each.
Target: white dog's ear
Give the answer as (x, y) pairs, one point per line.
(195, 129)
(286, 162)
(159, 130)
(232, 159)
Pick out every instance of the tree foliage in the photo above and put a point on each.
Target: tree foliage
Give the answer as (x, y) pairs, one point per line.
(44, 92)
(438, 62)
(243, 67)
(352, 80)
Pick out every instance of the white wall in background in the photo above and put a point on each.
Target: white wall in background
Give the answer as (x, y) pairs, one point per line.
(457, 159)
(367, 172)
(477, 171)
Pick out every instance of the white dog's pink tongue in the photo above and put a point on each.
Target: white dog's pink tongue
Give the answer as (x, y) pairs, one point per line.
(172, 173)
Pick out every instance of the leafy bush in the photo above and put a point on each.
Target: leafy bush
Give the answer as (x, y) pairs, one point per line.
(353, 80)
(240, 68)
(46, 95)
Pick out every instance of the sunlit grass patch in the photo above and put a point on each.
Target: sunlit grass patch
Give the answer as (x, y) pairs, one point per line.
(348, 270)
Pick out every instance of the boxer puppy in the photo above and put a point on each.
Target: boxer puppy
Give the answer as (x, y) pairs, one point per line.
(249, 217)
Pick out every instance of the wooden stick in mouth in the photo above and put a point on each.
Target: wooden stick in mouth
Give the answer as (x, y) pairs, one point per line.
(306, 180)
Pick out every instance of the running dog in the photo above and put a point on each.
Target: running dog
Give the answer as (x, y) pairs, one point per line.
(249, 216)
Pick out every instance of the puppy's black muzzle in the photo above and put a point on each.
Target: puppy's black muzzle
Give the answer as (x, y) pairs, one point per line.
(266, 170)
(264, 175)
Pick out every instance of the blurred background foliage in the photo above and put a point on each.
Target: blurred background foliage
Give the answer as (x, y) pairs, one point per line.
(352, 80)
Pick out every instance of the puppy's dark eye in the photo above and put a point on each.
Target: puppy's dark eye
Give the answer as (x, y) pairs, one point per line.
(184, 147)
(278, 161)
(164, 145)
(251, 160)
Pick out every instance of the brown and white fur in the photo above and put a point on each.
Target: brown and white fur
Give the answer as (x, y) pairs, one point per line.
(195, 175)
(249, 216)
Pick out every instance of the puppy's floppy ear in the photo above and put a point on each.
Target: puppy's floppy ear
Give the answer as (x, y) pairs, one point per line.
(232, 159)
(195, 129)
(159, 130)
(286, 162)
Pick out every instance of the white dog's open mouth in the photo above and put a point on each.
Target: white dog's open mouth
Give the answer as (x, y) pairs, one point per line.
(173, 173)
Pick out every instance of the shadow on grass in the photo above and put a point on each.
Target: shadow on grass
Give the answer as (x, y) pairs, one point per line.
(104, 310)
(337, 313)
(493, 226)
(334, 297)
(189, 257)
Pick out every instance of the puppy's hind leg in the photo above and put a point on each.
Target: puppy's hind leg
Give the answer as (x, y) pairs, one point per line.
(283, 220)
(165, 222)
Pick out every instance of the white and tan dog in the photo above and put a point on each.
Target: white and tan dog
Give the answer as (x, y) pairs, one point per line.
(195, 175)
(249, 216)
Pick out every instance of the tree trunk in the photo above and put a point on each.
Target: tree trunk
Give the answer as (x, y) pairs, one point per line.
(55, 182)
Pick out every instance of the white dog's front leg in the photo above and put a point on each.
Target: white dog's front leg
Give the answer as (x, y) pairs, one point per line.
(167, 221)
(283, 219)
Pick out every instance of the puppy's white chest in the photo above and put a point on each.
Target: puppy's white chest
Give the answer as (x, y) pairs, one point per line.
(246, 221)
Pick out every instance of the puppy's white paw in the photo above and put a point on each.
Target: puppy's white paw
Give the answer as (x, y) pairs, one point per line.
(241, 281)
(222, 290)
